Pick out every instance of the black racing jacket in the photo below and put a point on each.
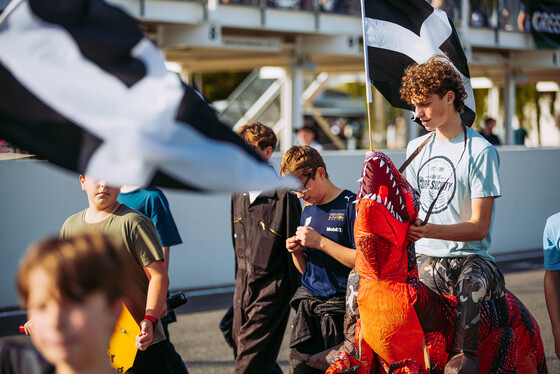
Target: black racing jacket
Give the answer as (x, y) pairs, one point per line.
(259, 232)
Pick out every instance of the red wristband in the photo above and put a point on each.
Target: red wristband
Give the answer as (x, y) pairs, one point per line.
(150, 318)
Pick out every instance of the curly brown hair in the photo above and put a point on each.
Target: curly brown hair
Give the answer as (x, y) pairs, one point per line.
(436, 76)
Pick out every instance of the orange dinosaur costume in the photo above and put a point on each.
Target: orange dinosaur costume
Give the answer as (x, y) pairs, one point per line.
(404, 326)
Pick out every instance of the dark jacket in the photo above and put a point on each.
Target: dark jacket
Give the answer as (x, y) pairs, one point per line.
(266, 277)
(317, 320)
(260, 230)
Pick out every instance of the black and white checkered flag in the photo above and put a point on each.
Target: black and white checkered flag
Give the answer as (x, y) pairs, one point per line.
(398, 33)
(83, 88)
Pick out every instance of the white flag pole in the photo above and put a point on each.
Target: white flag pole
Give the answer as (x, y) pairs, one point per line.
(368, 81)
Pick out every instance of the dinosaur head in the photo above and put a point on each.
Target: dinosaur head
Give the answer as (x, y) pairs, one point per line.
(383, 183)
(387, 206)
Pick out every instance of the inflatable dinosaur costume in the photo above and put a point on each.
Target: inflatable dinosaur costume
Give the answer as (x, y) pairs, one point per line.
(404, 326)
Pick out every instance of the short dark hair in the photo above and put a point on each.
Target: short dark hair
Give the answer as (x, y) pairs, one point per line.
(258, 135)
(309, 128)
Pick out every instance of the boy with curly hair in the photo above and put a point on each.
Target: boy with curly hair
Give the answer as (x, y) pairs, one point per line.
(456, 170)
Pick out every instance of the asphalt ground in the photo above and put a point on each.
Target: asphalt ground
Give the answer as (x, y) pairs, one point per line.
(199, 341)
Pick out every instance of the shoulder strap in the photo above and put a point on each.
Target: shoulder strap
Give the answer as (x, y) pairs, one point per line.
(415, 153)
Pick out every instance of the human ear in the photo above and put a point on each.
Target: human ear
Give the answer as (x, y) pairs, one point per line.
(268, 152)
(320, 172)
(450, 97)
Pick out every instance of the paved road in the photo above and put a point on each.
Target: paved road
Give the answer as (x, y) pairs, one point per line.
(201, 345)
(199, 341)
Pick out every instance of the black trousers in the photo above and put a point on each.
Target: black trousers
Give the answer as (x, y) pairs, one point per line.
(177, 363)
(155, 359)
(260, 316)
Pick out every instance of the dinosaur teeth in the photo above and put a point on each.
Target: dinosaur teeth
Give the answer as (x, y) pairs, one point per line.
(394, 183)
(382, 163)
(360, 180)
(390, 206)
(387, 170)
(379, 200)
(391, 177)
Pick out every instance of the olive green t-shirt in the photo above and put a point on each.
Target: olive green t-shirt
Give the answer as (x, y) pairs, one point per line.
(135, 233)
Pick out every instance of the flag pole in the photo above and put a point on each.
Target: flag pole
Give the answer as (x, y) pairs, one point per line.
(366, 71)
(369, 125)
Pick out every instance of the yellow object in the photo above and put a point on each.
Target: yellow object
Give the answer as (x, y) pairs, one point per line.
(122, 347)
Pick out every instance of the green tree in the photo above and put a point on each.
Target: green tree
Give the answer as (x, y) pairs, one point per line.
(218, 86)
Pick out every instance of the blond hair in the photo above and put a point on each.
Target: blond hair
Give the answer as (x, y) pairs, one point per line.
(302, 161)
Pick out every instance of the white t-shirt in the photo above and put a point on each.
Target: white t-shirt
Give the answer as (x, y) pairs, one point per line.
(475, 176)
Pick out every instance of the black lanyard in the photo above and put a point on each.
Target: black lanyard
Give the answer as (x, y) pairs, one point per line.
(413, 156)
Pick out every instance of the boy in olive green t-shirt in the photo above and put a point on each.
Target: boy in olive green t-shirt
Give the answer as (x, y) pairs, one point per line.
(135, 233)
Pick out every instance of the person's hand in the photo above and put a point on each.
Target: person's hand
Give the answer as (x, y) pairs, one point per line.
(293, 245)
(144, 339)
(416, 231)
(28, 327)
(308, 237)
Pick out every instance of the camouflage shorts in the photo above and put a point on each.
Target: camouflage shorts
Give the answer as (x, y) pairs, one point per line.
(471, 279)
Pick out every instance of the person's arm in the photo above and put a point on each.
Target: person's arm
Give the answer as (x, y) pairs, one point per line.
(476, 228)
(157, 291)
(308, 237)
(552, 297)
(521, 20)
(166, 257)
(293, 245)
(166, 260)
(165, 225)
